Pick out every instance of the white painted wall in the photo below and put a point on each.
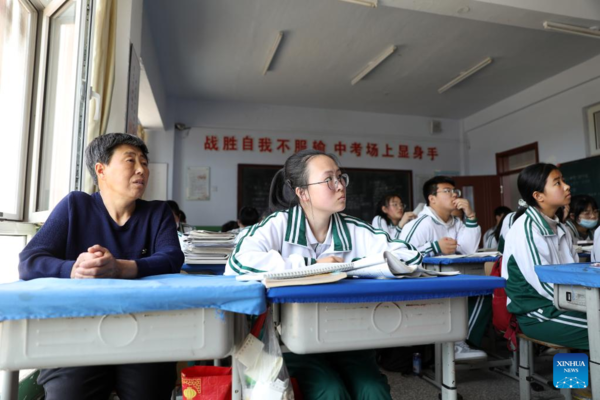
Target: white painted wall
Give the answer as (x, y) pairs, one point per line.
(161, 147)
(551, 113)
(129, 30)
(220, 119)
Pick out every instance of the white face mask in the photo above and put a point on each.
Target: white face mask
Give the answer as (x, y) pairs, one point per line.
(588, 223)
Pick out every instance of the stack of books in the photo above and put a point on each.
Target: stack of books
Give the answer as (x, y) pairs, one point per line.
(205, 247)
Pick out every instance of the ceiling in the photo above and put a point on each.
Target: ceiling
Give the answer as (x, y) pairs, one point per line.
(216, 50)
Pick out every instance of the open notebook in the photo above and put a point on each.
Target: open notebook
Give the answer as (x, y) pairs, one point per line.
(384, 265)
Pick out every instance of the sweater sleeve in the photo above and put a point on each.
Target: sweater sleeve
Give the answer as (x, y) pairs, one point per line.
(469, 235)
(167, 257)
(44, 256)
(259, 250)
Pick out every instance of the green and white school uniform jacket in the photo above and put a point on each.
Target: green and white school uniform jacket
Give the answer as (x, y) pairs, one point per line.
(534, 239)
(425, 231)
(392, 230)
(575, 233)
(507, 223)
(284, 241)
(596, 251)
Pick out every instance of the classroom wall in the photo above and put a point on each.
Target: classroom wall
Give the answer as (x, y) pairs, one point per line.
(129, 30)
(222, 119)
(551, 113)
(151, 67)
(160, 145)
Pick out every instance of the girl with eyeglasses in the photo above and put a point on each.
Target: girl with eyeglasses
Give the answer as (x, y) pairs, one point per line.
(308, 227)
(583, 217)
(538, 237)
(390, 216)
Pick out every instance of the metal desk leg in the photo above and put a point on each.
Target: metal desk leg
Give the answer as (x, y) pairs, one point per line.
(9, 385)
(236, 384)
(592, 300)
(449, 382)
(438, 364)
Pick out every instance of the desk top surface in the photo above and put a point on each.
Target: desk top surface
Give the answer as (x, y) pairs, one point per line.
(581, 274)
(461, 260)
(382, 290)
(60, 298)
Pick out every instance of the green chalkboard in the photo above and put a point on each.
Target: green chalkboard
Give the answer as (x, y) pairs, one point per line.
(583, 176)
(366, 187)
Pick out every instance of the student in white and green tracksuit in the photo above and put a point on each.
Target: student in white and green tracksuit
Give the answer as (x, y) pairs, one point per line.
(390, 215)
(437, 232)
(507, 223)
(313, 230)
(537, 237)
(583, 217)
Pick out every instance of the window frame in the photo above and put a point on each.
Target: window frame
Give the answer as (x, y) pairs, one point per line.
(83, 23)
(28, 109)
(593, 130)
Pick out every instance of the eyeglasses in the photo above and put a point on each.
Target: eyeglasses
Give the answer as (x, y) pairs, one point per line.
(457, 192)
(590, 212)
(332, 183)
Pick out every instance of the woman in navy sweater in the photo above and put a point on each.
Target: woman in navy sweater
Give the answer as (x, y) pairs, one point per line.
(110, 234)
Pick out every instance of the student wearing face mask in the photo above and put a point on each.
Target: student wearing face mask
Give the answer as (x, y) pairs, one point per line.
(583, 217)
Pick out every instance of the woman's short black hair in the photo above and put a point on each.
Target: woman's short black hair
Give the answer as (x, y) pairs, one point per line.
(101, 149)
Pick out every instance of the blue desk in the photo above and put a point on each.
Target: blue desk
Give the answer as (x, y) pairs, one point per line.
(355, 314)
(52, 322)
(465, 265)
(577, 287)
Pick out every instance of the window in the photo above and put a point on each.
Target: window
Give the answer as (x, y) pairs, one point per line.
(61, 104)
(593, 123)
(508, 165)
(17, 51)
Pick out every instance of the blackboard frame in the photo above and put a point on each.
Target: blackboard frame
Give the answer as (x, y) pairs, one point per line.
(407, 175)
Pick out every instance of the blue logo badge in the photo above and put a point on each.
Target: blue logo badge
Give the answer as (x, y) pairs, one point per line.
(571, 370)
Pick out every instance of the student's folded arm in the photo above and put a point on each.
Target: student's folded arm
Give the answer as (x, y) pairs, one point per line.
(406, 252)
(419, 238)
(259, 251)
(167, 257)
(469, 235)
(44, 256)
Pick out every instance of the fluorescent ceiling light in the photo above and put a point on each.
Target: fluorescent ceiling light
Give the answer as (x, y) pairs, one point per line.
(272, 52)
(372, 4)
(464, 75)
(575, 30)
(373, 64)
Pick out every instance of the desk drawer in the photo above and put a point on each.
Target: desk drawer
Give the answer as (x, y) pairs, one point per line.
(326, 327)
(116, 339)
(570, 297)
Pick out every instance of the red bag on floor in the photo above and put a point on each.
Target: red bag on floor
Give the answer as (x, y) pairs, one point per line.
(500, 315)
(206, 383)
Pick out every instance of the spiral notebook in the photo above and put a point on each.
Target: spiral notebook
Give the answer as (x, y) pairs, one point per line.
(383, 265)
(315, 269)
